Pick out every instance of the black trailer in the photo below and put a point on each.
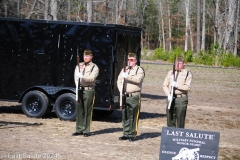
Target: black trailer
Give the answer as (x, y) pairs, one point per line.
(38, 58)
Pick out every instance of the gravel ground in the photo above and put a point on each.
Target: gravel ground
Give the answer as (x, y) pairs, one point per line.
(213, 106)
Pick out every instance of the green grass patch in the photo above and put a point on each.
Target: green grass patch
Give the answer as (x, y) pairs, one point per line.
(212, 57)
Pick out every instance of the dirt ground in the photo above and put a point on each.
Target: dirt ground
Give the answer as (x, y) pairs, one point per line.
(213, 106)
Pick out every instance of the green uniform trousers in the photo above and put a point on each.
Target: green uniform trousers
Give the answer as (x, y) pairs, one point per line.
(84, 109)
(177, 113)
(130, 116)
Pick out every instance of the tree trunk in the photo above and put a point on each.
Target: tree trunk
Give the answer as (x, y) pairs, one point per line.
(134, 4)
(38, 7)
(203, 25)
(159, 25)
(125, 13)
(163, 37)
(95, 5)
(216, 25)
(6, 9)
(198, 26)
(53, 9)
(46, 10)
(141, 22)
(236, 30)
(120, 10)
(143, 11)
(187, 24)
(106, 12)
(89, 11)
(116, 12)
(230, 22)
(148, 33)
(18, 8)
(68, 10)
(190, 30)
(169, 27)
(221, 26)
(191, 37)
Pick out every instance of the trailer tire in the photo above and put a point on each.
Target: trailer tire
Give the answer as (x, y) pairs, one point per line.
(34, 104)
(65, 107)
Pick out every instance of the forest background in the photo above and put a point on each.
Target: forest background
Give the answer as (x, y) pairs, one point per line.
(203, 31)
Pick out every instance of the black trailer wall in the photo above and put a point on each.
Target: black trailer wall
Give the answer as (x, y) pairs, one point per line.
(43, 53)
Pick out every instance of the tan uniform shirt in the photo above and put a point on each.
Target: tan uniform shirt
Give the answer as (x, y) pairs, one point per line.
(90, 73)
(134, 79)
(184, 79)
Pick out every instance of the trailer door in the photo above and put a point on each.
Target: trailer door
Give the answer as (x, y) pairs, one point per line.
(127, 41)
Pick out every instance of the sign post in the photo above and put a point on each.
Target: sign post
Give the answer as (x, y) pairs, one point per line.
(181, 144)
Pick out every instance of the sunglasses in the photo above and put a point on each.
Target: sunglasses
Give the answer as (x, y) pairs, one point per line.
(179, 62)
(131, 60)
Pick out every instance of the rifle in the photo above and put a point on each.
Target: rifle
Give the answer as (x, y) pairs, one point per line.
(123, 87)
(172, 88)
(78, 61)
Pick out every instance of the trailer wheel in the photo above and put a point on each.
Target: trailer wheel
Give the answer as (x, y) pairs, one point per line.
(65, 107)
(35, 104)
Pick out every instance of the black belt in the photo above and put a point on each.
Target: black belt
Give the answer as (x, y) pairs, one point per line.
(86, 88)
(132, 94)
(180, 95)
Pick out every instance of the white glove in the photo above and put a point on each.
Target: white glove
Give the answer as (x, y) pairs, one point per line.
(79, 75)
(124, 75)
(174, 84)
(169, 97)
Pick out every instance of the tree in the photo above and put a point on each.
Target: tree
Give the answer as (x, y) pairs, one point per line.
(161, 27)
(230, 23)
(150, 20)
(216, 24)
(187, 29)
(203, 26)
(198, 25)
(169, 26)
(68, 10)
(46, 9)
(161, 20)
(116, 11)
(89, 10)
(236, 29)
(54, 9)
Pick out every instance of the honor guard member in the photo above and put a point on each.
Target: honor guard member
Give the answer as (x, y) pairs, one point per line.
(85, 76)
(133, 75)
(182, 84)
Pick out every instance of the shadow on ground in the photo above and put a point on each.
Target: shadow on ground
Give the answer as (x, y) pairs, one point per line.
(149, 135)
(152, 96)
(116, 116)
(5, 124)
(17, 110)
(107, 130)
(11, 109)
